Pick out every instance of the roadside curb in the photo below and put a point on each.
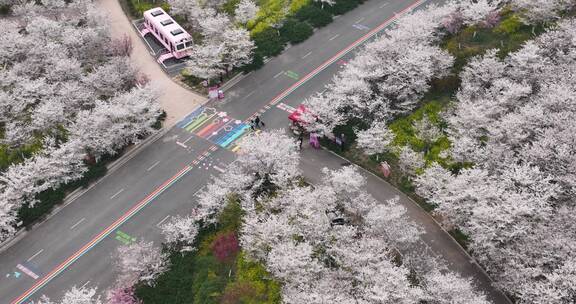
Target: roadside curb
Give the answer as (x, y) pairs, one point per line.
(72, 196)
(470, 258)
(234, 80)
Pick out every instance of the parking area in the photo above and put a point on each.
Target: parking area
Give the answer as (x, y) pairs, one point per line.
(171, 66)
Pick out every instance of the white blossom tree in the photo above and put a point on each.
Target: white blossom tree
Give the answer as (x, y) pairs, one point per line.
(388, 76)
(140, 262)
(180, 230)
(376, 139)
(514, 119)
(82, 295)
(269, 158)
(245, 11)
(224, 45)
(334, 242)
(72, 96)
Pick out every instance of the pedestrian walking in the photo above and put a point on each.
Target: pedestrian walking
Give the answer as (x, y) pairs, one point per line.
(252, 125)
(338, 141)
(259, 122)
(300, 139)
(314, 141)
(343, 141)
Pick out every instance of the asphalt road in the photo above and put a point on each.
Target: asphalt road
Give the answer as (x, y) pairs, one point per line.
(75, 246)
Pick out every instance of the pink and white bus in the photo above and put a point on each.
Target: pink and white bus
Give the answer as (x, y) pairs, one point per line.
(172, 36)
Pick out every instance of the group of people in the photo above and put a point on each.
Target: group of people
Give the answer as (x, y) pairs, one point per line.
(256, 123)
(315, 137)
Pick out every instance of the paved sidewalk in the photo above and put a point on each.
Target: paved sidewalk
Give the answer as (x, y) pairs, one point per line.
(436, 239)
(175, 100)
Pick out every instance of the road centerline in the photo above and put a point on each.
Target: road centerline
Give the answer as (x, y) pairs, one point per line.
(117, 193)
(153, 165)
(77, 223)
(162, 221)
(35, 255)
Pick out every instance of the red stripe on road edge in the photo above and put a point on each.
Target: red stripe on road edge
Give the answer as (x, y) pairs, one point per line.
(340, 54)
(98, 238)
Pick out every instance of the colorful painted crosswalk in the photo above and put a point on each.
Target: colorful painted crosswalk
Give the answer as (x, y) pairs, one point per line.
(217, 127)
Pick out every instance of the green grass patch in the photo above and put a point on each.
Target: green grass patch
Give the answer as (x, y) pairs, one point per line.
(507, 36)
(201, 278)
(10, 156)
(136, 8)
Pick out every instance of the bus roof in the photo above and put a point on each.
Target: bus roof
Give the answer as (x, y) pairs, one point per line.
(167, 25)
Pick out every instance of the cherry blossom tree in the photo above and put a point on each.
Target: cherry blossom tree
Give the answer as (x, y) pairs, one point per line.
(448, 287)
(388, 76)
(514, 120)
(180, 231)
(334, 242)
(224, 45)
(376, 139)
(122, 295)
(140, 262)
(75, 295)
(269, 158)
(245, 11)
(72, 94)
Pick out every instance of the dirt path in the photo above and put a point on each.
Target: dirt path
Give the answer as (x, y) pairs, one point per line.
(174, 99)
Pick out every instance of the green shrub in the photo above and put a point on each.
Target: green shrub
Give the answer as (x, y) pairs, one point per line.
(230, 6)
(266, 289)
(268, 43)
(5, 9)
(230, 219)
(10, 156)
(173, 286)
(46, 201)
(158, 123)
(342, 6)
(210, 279)
(256, 63)
(314, 15)
(509, 25)
(294, 31)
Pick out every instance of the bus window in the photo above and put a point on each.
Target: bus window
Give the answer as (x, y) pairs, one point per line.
(188, 44)
(180, 46)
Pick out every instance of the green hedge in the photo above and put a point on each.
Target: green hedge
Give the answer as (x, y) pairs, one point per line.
(268, 43)
(314, 15)
(342, 6)
(295, 31)
(296, 28)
